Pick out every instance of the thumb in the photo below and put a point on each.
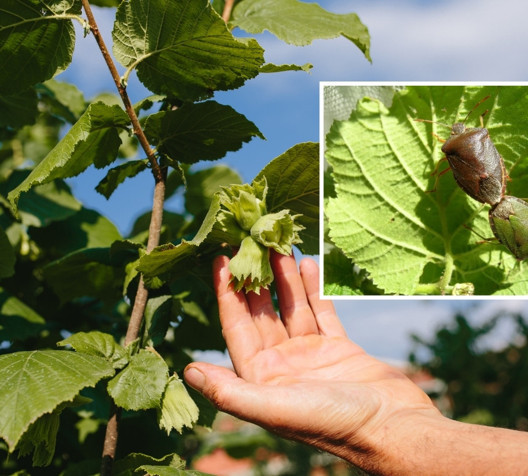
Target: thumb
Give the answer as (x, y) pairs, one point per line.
(225, 390)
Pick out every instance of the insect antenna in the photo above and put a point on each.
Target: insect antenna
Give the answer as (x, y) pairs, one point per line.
(433, 122)
(475, 107)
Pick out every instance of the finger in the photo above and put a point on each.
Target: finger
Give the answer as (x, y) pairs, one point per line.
(296, 313)
(240, 333)
(271, 328)
(324, 311)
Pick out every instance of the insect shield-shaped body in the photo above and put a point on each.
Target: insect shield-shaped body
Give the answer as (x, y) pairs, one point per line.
(477, 166)
(509, 223)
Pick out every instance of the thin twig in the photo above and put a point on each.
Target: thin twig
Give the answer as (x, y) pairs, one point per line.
(228, 8)
(140, 302)
(138, 131)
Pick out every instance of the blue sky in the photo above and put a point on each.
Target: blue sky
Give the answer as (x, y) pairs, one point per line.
(412, 40)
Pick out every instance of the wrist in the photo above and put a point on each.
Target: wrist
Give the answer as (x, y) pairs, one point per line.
(426, 442)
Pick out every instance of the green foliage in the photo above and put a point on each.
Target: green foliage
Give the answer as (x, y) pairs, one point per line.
(54, 376)
(18, 320)
(37, 40)
(98, 344)
(69, 278)
(299, 23)
(485, 386)
(384, 217)
(202, 131)
(177, 407)
(119, 174)
(294, 183)
(94, 139)
(141, 384)
(182, 49)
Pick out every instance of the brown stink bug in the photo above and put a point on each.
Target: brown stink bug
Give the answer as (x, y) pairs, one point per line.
(477, 166)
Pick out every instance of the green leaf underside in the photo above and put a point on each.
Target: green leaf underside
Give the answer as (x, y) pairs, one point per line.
(54, 376)
(118, 175)
(94, 139)
(203, 131)
(33, 46)
(382, 217)
(183, 48)
(19, 109)
(293, 184)
(280, 68)
(140, 385)
(299, 23)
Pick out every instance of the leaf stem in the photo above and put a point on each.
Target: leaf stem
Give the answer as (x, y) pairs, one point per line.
(160, 174)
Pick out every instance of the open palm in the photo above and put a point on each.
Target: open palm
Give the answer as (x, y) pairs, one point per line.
(299, 374)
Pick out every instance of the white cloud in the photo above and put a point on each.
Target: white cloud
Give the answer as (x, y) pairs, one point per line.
(477, 40)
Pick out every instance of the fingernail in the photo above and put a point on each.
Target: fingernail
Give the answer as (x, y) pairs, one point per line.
(194, 378)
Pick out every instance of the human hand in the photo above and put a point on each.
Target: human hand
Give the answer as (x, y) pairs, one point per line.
(299, 375)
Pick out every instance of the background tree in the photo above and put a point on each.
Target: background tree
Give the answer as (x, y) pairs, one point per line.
(484, 385)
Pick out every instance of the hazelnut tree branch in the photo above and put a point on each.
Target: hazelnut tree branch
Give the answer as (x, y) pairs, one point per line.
(138, 309)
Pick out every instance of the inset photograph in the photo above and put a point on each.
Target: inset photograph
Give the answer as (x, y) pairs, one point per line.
(425, 190)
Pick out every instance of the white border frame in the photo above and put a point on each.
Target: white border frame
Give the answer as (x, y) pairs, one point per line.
(322, 140)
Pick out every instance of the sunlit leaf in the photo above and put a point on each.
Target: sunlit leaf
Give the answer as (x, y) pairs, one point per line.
(183, 48)
(274, 68)
(299, 23)
(293, 184)
(134, 463)
(177, 407)
(41, 436)
(162, 259)
(55, 376)
(140, 385)
(99, 344)
(94, 139)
